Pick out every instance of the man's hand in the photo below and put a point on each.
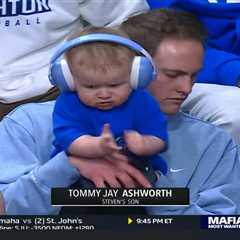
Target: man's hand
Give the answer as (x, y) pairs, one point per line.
(113, 173)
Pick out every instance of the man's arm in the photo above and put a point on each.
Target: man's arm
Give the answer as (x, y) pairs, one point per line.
(27, 175)
(30, 193)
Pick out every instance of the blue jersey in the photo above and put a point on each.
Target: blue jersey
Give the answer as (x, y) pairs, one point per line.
(72, 118)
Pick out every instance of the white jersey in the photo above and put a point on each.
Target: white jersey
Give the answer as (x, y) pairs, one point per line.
(30, 30)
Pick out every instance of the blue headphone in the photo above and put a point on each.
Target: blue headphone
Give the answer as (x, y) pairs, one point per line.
(142, 73)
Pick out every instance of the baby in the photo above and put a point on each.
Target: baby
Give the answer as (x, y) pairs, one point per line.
(104, 108)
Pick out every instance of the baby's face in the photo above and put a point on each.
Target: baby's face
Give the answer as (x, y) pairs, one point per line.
(103, 91)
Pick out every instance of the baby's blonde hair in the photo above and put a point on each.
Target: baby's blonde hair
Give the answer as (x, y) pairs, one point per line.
(100, 57)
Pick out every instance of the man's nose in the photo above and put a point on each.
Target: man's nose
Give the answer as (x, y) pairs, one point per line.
(185, 85)
(103, 93)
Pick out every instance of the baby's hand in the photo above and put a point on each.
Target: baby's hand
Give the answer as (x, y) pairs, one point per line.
(107, 142)
(135, 142)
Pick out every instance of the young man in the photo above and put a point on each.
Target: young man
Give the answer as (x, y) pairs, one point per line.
(30, 32)
(200, 156)
(200, 161)
(216, 102)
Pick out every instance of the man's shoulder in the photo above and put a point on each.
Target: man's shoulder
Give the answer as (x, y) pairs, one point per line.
(189, 120)
(192, 127)
(195, 145)
(31, 112)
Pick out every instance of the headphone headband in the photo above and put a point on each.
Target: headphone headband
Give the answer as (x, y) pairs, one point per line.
(143, 70)
(101, 37)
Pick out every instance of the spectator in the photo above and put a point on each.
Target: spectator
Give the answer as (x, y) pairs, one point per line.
(30, 32)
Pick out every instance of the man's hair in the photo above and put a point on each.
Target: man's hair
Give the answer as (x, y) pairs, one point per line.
(151, 28)
(100, 57)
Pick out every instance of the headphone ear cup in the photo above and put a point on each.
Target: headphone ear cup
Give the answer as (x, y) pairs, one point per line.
(142, 72)
(60, 75)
